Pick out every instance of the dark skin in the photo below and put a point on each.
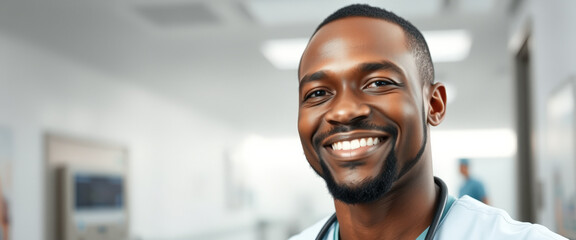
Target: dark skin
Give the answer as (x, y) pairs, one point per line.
(360, 69)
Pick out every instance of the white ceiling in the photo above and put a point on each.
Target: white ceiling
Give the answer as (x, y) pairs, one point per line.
(206, 53)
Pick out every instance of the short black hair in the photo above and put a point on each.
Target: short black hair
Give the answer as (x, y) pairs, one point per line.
(415, 39)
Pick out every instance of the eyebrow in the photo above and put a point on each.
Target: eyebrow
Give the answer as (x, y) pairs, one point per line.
(312, 77)
(363, 67)
(383, 65)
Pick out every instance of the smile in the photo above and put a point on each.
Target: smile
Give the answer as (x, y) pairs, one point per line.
(355, 143)
(347, 147)
(356, 146)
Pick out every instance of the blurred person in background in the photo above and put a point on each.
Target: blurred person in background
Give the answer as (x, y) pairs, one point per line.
(367, 99)
(471, 186)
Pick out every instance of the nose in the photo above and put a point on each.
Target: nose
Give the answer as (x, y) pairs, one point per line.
(347, 109)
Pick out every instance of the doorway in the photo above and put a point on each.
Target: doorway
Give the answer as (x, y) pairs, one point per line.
(525, 160)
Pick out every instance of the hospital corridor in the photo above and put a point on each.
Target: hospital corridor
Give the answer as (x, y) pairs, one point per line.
(178, 119)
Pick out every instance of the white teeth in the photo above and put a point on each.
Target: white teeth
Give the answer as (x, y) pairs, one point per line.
(346, 145)
(354, 144)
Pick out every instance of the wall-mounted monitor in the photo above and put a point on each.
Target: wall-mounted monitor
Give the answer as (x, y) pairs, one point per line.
(93, 204)
(97, 191)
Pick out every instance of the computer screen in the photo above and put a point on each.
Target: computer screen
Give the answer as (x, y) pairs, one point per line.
(94, 192)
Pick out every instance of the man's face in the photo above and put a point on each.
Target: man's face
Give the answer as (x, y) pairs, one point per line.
(464, 170)
(361, 109)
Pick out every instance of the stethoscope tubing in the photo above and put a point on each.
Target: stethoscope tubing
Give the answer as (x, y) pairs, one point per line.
(440, 206)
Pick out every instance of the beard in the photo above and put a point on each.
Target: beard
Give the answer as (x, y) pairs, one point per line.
(369, 189)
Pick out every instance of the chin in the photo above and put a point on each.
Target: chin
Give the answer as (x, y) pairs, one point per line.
(362, 191)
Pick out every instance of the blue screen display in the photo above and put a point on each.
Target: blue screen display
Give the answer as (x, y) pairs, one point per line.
(98, 192)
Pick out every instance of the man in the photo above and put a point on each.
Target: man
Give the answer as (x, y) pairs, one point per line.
(366, 100)
(472, 186)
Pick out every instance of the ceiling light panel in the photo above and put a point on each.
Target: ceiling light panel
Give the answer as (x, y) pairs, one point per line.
(445, 46)
(272, 13)
(449, 45)
(284, 53)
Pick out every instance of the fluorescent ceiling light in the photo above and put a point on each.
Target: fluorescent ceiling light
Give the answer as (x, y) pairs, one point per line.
(445, 46)
(284, 53)
(448, 46)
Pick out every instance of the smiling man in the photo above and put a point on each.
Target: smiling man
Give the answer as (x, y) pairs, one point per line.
(367, 98)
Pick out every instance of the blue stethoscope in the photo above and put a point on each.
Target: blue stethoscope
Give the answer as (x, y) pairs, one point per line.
(443, 197)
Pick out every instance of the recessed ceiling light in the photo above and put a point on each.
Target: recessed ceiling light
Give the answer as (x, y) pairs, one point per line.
(284, 53)
(449, 45)
(445, 46)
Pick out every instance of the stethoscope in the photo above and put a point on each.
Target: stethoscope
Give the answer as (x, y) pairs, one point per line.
(443, 197)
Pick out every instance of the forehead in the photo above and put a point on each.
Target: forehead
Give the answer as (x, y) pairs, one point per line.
(353, 39)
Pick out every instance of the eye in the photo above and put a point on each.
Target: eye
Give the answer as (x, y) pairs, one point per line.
(380, 83)
(315, 94)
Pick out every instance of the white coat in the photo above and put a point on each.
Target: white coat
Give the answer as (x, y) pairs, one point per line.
(470, 219)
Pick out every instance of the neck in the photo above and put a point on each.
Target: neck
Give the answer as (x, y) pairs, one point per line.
(403, 213)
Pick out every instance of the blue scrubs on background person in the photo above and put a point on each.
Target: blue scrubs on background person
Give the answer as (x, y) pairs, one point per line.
(474, 189)
(471, 187)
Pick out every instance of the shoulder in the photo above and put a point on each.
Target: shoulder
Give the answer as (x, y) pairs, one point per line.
(471, 219)
(311, 232)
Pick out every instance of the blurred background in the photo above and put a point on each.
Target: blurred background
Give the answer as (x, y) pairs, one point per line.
(176, 119)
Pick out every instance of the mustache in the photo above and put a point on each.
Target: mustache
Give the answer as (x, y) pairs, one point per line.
(358, 125)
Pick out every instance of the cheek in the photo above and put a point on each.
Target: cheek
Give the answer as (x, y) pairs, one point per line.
(402, 110)
(406, 115)
(308, 123)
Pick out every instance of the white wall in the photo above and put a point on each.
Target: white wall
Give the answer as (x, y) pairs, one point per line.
(284, 189)
(553, 61)
(175, 155)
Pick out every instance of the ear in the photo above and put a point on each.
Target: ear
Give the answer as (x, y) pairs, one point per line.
(437, 104)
